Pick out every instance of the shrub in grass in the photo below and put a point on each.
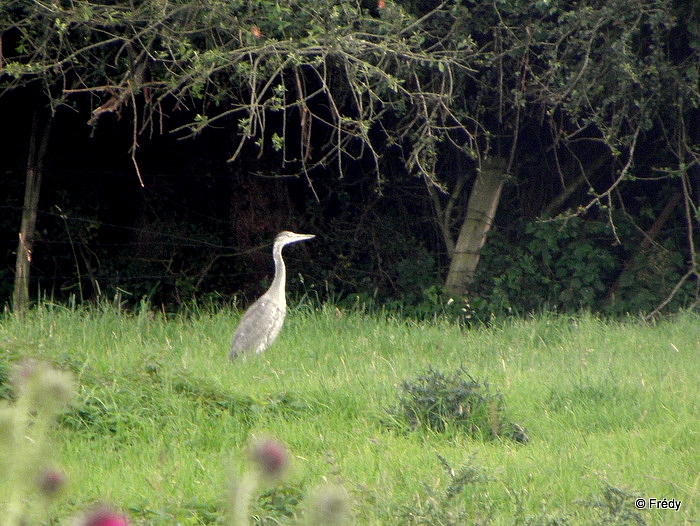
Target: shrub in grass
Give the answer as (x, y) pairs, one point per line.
(616, 507)
(440, 505)
(440, 402)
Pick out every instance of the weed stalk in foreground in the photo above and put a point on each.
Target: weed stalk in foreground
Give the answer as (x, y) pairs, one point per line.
(30, 480)
(269, 461)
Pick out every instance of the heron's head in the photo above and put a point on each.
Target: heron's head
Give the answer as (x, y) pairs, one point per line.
(286, 237)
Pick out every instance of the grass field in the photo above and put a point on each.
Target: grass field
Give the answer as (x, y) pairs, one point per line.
(162, 419)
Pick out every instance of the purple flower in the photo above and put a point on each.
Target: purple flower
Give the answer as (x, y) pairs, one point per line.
(270, 456)
(103, 516)
(50, 482)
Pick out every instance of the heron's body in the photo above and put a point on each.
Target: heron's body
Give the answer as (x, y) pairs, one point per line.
(263, 321)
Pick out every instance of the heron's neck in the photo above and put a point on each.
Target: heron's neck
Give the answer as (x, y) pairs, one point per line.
(278, 283)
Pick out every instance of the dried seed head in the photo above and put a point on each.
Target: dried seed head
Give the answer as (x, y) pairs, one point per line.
(44, 387)
(23, 373)
(57, 388)
(330, 506)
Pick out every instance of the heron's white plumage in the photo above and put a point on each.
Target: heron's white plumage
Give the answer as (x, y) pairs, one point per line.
(263, 321)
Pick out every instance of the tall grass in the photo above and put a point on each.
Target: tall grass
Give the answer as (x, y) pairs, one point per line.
(162, 419)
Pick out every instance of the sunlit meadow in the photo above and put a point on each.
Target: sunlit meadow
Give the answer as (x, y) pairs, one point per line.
(162, 425)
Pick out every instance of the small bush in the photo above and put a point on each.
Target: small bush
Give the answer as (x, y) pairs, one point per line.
(616, 507)
(439, 505)
(438, 402)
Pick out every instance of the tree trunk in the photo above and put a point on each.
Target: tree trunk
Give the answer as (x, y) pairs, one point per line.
(481, 208)
(38, 144)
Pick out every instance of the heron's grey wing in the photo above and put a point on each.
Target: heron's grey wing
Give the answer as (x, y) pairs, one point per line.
(258, 327)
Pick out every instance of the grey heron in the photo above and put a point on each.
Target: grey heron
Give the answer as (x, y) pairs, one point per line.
(263, 321)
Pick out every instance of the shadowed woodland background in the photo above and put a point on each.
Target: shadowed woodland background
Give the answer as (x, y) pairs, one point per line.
(180, 137)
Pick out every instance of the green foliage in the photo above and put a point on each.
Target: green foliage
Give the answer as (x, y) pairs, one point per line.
(440, 507)
(386, 91)
(5, 387)
(279, 505)
(602, 399)
(649, 279)
(559, 265)
(616, 506)
(576, 264)
(452, 403)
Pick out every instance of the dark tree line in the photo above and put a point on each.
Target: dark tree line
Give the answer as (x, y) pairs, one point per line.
(515, 154)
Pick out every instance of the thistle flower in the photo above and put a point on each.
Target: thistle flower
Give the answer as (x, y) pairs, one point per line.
(41, 394)
(269, 456)
(269, 459)
(102, 516)
(50, 482)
